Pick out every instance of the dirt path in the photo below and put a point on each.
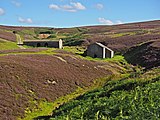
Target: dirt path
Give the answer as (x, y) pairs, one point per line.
(19, 40)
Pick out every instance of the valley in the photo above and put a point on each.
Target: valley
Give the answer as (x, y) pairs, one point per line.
(48, 83)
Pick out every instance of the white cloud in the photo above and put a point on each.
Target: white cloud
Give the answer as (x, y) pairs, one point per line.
(72, 7)
(105, 21)
(109, 22)
(78, 6)
(17, 4)
(54, 7)
(28, 20)
(119, 22)
(2, 12)
(99, 6)
(68, 8)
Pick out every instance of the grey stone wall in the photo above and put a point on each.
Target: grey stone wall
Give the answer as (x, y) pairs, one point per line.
(95, 51)
(108, 54)
(54, 44)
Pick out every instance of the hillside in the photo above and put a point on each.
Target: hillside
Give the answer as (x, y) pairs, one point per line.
(29, 77)
(118, 37)
(48, 83)
(146, 55)
(7, 45)
(132, 97)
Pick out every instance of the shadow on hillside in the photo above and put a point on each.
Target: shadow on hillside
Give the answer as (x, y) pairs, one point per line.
(42, 118)
(146, 55)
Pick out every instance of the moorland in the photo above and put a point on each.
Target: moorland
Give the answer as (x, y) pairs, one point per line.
(48, 83)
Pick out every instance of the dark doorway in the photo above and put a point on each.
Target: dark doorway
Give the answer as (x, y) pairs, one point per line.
(46, 45)
(95, 56)
(38, 45)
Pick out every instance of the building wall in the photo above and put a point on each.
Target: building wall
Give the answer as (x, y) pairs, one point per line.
(55, 44)
(95, 51)
(109, 54)
(60, 44)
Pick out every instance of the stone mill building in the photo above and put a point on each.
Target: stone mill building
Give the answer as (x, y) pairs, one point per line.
(98, 50)
(44, 43)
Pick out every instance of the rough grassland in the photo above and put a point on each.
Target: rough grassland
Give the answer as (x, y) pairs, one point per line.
(27, 81)
(36, 81)
(7, 45)
(134, 97)
(118, 37)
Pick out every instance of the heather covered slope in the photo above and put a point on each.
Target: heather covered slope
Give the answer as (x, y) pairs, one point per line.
(146, 55)
(33, 79)
(7, 35)
(118, 37)
(28, 79)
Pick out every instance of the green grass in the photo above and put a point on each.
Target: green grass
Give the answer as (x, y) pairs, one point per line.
(80, 50)
(133, 97)
(126, 96)
(46, 108)
(28, 31)
(138, 32)
(115, 58)
(7, 45)
(74, 39)
(120, 64)
(74, 49)
(49, 51)
(122, 34)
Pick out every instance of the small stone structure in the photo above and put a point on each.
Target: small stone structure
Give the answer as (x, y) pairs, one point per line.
(43, 36)
(44, 43)
(98, 50)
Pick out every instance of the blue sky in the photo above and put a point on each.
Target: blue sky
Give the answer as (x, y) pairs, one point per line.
(70, 13)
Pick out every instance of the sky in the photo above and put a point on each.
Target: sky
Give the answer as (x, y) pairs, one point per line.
(72, 13)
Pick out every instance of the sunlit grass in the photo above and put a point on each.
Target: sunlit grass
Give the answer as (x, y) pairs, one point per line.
(130, 97)
(74, 49)
(7, 45)
(49, 51)
(46, 108)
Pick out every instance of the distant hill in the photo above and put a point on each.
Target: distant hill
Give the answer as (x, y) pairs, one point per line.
(118, 37)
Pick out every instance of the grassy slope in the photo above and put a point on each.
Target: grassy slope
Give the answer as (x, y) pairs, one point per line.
(133, 97)
(7, 45)
(116, 95)
(46, 108)
(130, 33)
(110, 100)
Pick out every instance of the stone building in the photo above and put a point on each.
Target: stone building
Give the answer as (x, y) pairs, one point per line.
(44, 43)
(98, 50)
